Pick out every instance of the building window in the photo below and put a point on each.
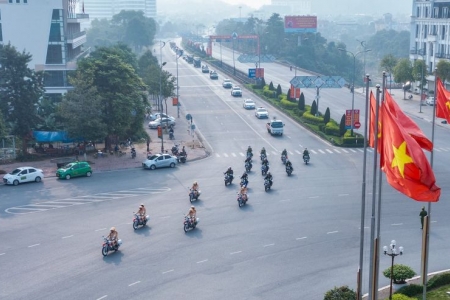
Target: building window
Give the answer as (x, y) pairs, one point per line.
(10, 1)
(55, 32)
(445, 12)
(25, 1)
(17, 1)
(54, 79)
(54, 54)
(56, 15)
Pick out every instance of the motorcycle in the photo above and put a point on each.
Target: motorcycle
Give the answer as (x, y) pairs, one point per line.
(193, 195)
(264, 169)
(188, 224)
(137, 220)
(263, 156)
(249, 154)
(289, 170)
(283, 159)
(108, 246)
(181, 157)
(133, 153)
(241, 200)
(267, 185)
(244, 183)
(171, 136)
(306, 159)
(228, 179)
(175, 150)
(248, 167)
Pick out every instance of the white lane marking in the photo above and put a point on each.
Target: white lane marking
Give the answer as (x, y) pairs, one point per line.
(340, 195)
(298, 152)
(331, 232)
(31, 246)
(226, 155)
(234, 155)
(336, 150)
(443, 149)
(241, 154)
(165, 217)
(329, 151)
(100, 229)
(285, 200)
(25, 208)
(343, 150)
(352, 150)
(302, 238)
(102, 297)
(217, 155)
(131, 284)
(46, 205)
(68, 236)
(396, 224)
(202, 261)
(2, 254)
(321, 151)
(300, 145)
(167, 271)
(288, 136)
(312, 197)
(291, 153)
(44, 190)
(312, 151)
(437, 149)
(362, 151)
(235, 252)
(268, 245)
(433, 221)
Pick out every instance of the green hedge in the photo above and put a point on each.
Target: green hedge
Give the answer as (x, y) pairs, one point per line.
(401, 297)
(268, 93)
(438, 281)
(288, 104)
(332, 128)
(308, 117)
(410, 290)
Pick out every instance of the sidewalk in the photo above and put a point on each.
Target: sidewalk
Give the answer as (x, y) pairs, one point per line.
(194, 148)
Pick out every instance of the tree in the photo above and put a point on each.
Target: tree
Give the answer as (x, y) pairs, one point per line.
(443, 70)
(301, 102)
(340, 293)
(342, 129)
(263, 82)
(314, 108)
(403, 72)
(271, 87)
(388, 64)
(279, 91)
(3, 130)
(400, 273)
(288, 95)
(20, 90)
(326, 117)
(385, 42)
(419, 71)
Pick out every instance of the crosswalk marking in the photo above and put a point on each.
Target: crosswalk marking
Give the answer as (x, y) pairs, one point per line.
(321, 151)
(360, 150)
(329, 151)
(290, 152)
(343, 150)
(234, 155)
(226, 155)
(217, 155)
(301, 153)
(241, 154)
(352, 150)
(312, 151)
(336, 150)
(436, 149)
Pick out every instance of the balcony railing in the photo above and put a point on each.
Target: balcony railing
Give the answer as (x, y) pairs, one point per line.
(75, 35)
(83, 54)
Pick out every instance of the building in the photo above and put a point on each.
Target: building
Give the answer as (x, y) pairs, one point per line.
(50, 31)
(430, 41)
(106, 9)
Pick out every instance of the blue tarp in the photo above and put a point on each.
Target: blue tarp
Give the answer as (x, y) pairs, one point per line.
(52, 136)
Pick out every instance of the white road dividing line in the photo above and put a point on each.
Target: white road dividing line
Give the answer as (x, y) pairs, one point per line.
(285, 200)
(2, 254)
(233, 154)
(165, 217)
(100, 229)
(329, 151)
(331, 232)
(102, 297)
(302, 238)
(202, 261)
(131, 284)
(312, 151)
(341, 195)
(288, 137)
(396, 224)
(232, 253)
(320, 151)
(268, 245)
(45, 205)
(313, 197)
(68, 236)
(167, 271)
(31, 246)
(298, 152)
(226, 155)
(433, 221)
(217, 155)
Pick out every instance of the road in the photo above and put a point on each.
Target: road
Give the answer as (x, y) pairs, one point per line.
(294, 242)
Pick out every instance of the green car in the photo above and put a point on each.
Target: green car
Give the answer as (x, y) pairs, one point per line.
(75, 169)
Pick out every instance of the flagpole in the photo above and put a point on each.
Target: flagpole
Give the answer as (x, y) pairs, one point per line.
(372, 286)
(363, 196)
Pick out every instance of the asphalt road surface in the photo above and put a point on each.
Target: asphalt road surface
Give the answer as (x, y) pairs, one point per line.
(294, 242)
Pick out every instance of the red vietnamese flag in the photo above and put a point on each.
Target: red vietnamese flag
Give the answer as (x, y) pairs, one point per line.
(443, 101)
(403, 120)
(404, 162)
(373, 107)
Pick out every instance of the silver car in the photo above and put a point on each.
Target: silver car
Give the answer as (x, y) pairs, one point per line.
(161, 122)
(159, 161)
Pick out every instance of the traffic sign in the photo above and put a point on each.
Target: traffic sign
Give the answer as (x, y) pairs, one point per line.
(348, 118)
(234, 35)
(357, 125)
(251, 73)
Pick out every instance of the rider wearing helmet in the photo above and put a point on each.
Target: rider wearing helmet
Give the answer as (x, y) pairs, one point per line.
(284, 153)
(192, 214)
(195, 187)
(249, 151)
(269, 177)
(142, 212)
(244, 177)
(229, 172)
(263, 151)
(305, 153)
(288, 164)
(113, 236)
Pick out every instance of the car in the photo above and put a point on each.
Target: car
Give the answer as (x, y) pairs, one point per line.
(205, 69)
(213, 75)
(227, 84)
(248, 104)
(153, 117)
(261, 113)
(159, 161)
(236, 91)
(74, 169)
(161, 122)
(23, 174)
(430, 101)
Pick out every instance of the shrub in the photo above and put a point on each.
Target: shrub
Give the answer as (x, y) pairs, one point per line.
(410, 290)
(301, 102)
(400, 273)
(287, 104)
(279, 91)
(263, 82)
(401, 297)
(331, 128)
(342, 129)
(271, 86)
(268, 93)
(282, 97)
(326, 117)
(309, 118)
(341, 293)
(438, 281)
(288, 95)
(314, 108)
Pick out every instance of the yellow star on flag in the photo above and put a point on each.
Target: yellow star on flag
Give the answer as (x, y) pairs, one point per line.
(447, 104)
(401, 158)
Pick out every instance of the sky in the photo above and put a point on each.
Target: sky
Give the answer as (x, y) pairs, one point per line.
(252, 3)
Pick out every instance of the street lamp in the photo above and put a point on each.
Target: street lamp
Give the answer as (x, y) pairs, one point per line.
(178, 55)
(161, 45)
(363, 44)
(393, 253)
(353, 81)
(160, 97)
(421, 80)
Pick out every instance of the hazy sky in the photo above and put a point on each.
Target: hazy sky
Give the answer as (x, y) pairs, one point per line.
(251, 3)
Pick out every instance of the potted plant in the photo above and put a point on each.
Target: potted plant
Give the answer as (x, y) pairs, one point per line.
(400, 273)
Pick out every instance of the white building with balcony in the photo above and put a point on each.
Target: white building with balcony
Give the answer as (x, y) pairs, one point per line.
(50, 31)
(430, 39)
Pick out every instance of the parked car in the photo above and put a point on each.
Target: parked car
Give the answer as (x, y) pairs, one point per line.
(261, 112)
(23, 174)
(227, 84)
(236, 91)
(159, 161)
(248, 104)
(155, 116)
(213, 75)
(205, 69)
(430, 101)
(161, 122)
(75, 169)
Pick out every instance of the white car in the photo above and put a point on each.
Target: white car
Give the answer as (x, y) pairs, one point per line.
(248, 104)
(261, 112)
(236, 91)
(160, 161)
(430, 101)
(227, 84)
(161, 122)
(23, 174)
(153, 117)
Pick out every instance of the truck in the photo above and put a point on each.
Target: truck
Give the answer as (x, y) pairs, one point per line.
(275, 127)
(197, 62)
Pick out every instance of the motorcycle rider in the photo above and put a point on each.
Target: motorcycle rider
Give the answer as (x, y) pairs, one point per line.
(195, 188)
(263, 152)
(171, 132)
(142, 212)
(113, 236)
(229, 172)
(192, 214)
(133, 152)
(244, 177)
(265, 164)
(284, 153)
(249, 151)
(249, 161)
(243, 193)
(305, 153)
(269, 177)
(289, 165)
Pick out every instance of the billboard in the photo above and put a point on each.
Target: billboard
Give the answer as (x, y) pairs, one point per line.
(300, 24)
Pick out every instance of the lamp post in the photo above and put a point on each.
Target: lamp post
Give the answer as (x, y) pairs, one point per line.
(421, 80)
(353, 81)
(161, 45)
(393, 253)
(363, 44)
(178, 96)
